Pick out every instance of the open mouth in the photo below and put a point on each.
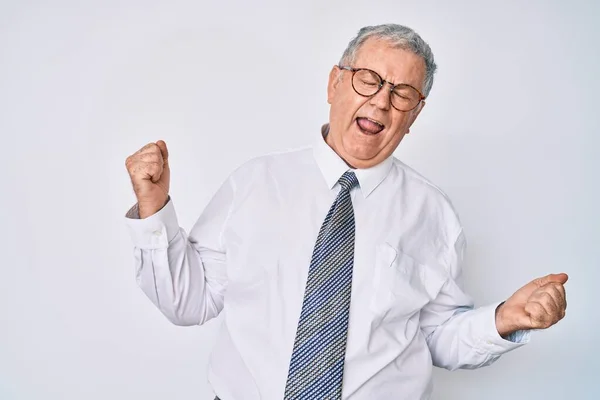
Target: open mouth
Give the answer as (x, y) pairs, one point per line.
(369, 126)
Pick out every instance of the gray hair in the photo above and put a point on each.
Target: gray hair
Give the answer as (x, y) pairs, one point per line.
(400, 37)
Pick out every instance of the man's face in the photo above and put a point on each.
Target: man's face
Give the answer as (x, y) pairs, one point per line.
(350, 112)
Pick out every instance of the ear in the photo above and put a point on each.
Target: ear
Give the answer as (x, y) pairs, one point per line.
(420, 108)
(415, 114)
(334, 81)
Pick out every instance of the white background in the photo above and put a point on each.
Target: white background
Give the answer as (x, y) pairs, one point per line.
(510, 132)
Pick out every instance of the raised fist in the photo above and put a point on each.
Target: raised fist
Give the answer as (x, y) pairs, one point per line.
(150, 175)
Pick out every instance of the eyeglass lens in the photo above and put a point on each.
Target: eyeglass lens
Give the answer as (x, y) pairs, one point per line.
(367, 83)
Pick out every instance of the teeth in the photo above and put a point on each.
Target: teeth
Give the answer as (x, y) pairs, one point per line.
(377, 122)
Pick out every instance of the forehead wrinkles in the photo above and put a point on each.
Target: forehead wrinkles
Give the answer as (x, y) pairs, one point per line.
(394, 64)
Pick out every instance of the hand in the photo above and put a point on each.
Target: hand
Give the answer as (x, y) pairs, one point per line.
(538, 305)
(150, 176)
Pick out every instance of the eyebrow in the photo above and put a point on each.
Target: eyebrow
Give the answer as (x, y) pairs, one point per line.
(415, 86)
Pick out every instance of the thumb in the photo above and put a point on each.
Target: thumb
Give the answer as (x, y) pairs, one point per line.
(163, 150)
(559, 278)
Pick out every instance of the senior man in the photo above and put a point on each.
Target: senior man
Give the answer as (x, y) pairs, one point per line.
(337, 267)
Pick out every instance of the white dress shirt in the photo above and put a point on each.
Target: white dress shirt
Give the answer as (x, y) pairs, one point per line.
(249, 253)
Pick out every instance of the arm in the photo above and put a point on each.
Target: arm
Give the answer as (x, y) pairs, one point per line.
(184, 276)
(458, 335)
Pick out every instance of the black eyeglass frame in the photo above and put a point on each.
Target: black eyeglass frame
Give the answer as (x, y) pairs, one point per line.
(381, 83)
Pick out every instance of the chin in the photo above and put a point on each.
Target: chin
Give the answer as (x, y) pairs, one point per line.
(361, 150)
(360, 158)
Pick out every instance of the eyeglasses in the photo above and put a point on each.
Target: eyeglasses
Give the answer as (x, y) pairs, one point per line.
(367, 83)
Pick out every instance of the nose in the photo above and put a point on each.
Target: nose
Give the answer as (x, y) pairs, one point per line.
(382, 99)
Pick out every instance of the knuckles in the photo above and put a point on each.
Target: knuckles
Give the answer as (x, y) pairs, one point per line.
(544, 315)
(557, 286)
(546, 305)
(534, 309)
(148, 158)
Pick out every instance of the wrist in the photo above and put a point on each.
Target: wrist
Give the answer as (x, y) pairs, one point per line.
(147, 209)
(504, 324)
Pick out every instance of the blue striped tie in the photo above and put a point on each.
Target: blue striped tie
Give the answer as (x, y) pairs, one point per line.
(317, 363)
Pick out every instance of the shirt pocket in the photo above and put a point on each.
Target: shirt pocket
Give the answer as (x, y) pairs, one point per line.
(401, 284)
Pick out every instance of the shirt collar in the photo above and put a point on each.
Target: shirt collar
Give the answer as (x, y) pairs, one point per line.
(332, 166)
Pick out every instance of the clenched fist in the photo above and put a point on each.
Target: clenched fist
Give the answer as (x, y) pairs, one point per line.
(538, 305)
(150, 175)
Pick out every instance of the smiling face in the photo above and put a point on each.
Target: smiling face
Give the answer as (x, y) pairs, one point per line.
(355, 121)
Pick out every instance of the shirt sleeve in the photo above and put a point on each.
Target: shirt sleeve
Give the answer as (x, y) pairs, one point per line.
(183, 275)
(459, 335)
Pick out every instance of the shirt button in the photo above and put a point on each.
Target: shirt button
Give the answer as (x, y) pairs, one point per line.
(157, 233)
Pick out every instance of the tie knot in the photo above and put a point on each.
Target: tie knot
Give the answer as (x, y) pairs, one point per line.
(348, 180)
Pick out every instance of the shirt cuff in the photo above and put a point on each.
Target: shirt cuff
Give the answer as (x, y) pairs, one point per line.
(155, 231)
(487, 336)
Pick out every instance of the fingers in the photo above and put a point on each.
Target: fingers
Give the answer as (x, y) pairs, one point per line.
(151, 157)
(546, 306)
(159, 148)
(559, 278)
(147, 163)
(150, 147)
(163, 150)
(537, 315)
(557, 291)
(145, 170)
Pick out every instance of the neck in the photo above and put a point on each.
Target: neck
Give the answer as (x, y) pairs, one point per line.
(329, 140)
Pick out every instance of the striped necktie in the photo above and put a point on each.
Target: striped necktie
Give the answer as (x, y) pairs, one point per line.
(317, 363)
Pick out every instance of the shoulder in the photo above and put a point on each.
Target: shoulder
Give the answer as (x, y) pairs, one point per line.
(428, 196)
(412, 177)
(275, 163)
